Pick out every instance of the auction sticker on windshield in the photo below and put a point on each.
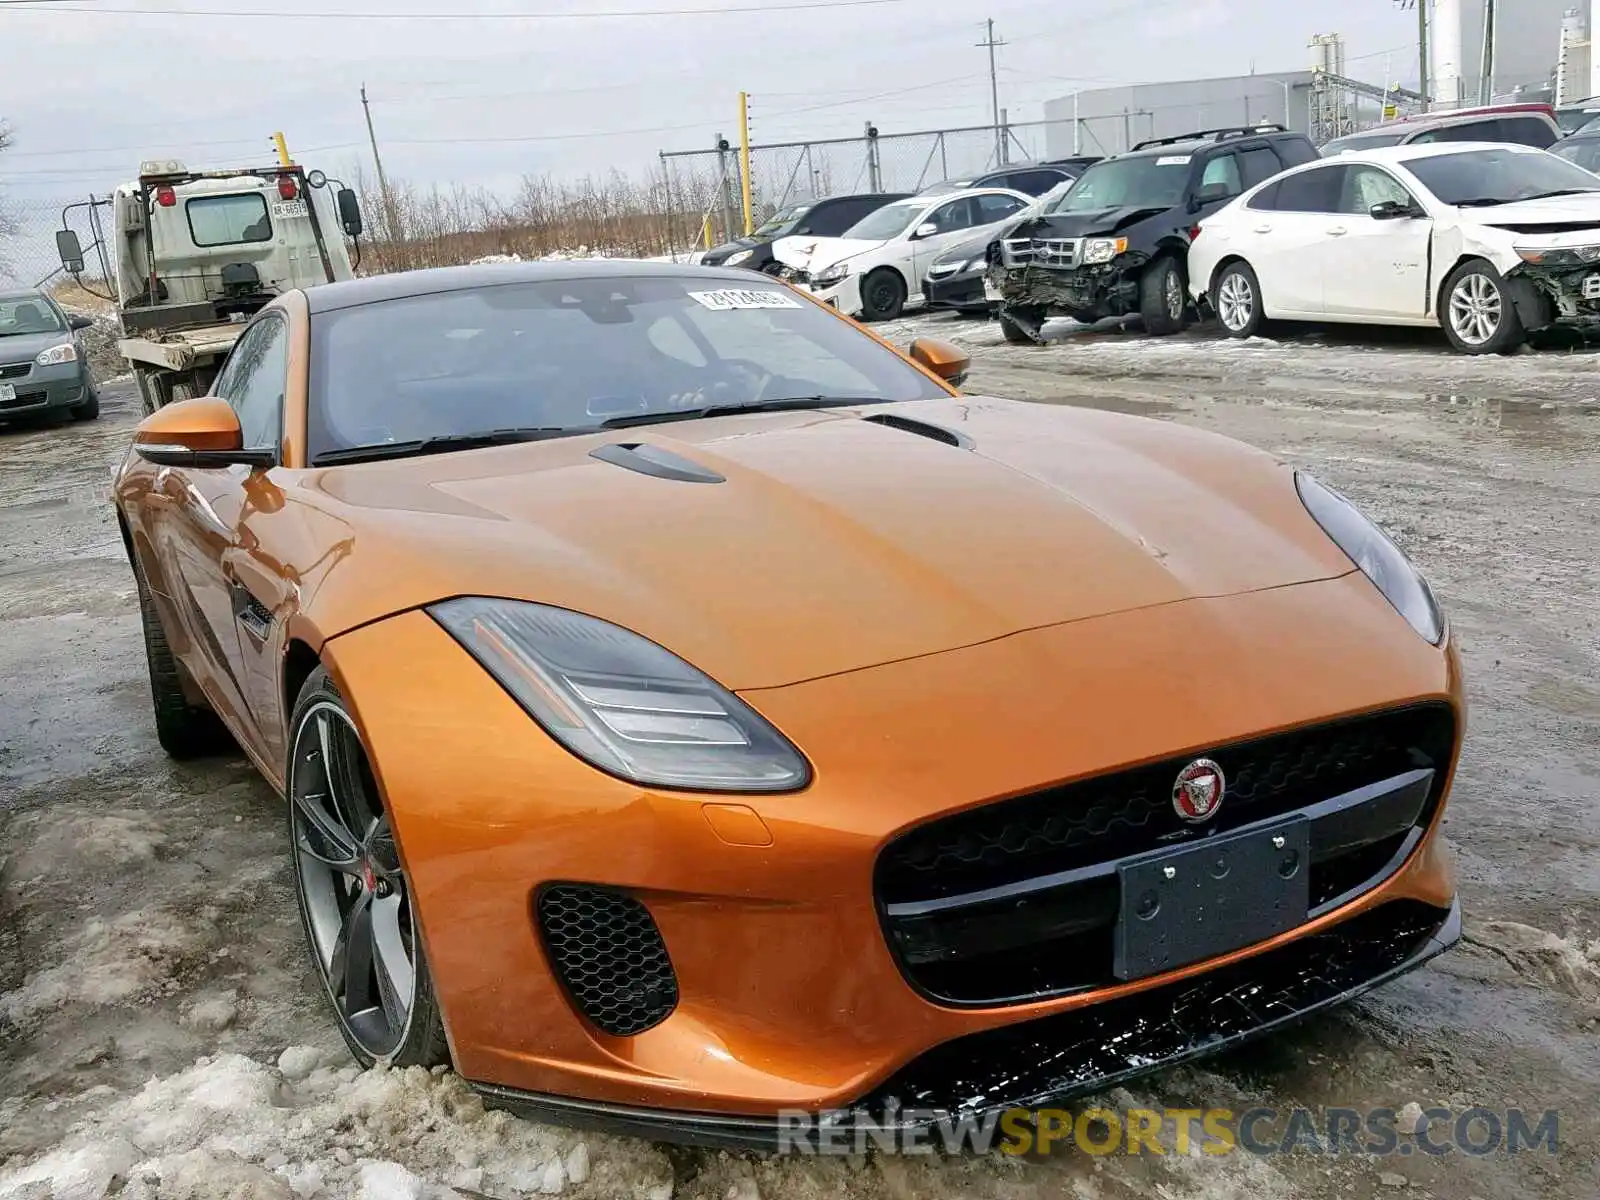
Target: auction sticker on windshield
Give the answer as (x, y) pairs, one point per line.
(1172, 160)
(731, 298)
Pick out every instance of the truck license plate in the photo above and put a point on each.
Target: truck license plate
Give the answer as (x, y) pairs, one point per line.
(1591, 287)
(8, 392)
(289, 208)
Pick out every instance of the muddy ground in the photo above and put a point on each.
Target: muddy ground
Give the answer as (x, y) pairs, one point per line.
(146, 923)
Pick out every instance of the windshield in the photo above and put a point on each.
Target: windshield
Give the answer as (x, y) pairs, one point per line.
(1151, 181)
(1573, 119)
(1498, 176)
(889, 221)
(567, 355)
(1590, 125)
(1585, 152)
(782, 219)
(28, 314)
(1364, 141)
(1055, 199)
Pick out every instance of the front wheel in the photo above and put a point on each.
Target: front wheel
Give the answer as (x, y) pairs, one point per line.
(184, 730)
(1161, 300)
(883, 295)
(89, 409)
(1236, 299)
(355, 900)
(1480, 316)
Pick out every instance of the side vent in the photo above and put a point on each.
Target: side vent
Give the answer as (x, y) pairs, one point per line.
(608, 954)
(653, 460)
(937, 433)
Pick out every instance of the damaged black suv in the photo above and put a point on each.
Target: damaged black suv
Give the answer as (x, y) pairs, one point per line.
(1117, 244)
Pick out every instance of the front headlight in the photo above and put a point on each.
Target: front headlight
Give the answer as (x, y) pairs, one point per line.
(1567, 256)
(1103, 250)
(738, 257)
(621, 702)
(56, 355)
(829, 276)
(1378, 557)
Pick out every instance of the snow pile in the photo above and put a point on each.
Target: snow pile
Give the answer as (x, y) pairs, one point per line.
(309, 1130)
(495, 258)
(99, 342)
(586, 253)
(1560, 962)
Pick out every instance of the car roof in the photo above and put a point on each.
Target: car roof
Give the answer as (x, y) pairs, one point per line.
(1455, 116)
(22, 294)
(401, 285)
(1382, 155)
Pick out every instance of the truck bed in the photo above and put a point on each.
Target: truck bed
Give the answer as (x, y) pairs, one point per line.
(181, 348)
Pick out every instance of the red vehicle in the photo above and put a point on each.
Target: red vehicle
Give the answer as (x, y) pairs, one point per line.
(1522, 124)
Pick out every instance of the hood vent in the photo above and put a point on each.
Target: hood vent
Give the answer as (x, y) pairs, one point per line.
(653, 460)
(936, 433)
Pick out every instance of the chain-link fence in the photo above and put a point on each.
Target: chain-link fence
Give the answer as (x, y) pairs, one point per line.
(28, 254)
(704, 187)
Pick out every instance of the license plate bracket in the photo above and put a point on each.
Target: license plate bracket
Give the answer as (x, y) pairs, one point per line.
(8, 392)
(990, 291)
(1194, 902)
(1591, 286)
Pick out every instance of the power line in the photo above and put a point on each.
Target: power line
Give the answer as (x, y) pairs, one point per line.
(59, 6)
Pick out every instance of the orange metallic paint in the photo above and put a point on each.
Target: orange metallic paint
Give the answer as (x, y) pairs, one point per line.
(204, 423)
(948, 362)
(933, 628)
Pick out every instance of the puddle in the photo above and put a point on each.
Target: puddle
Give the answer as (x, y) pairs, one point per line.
(1495, 412)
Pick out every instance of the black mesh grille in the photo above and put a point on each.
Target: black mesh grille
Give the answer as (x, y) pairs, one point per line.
(14, 370)
(608, 953)
(1108, 817)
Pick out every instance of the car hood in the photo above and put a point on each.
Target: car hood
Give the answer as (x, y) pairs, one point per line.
(835, 541)
(817, 253)
(20, 347)
(1553, 210)
(1089, 222)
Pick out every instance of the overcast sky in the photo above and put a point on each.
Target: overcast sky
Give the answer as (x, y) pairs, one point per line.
(91, 86)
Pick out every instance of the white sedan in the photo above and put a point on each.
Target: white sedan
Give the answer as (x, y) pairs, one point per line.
(1487, 240)
(874, 265)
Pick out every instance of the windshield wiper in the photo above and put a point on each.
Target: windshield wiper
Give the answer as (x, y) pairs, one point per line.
(1583, 191)
(1481, 202)
(445, 442)
(722, 410)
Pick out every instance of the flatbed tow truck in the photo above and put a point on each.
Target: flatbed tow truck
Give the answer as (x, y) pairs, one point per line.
(195, 254)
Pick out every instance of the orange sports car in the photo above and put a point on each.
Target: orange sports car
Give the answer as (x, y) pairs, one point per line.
(691, 711)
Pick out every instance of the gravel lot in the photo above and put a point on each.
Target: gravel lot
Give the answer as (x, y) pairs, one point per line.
(159, 1030)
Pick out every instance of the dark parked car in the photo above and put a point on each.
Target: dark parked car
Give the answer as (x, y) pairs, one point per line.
(1117, 243)
(1572, 117)
(1582, 149)
(1522, 124)
(42, 368)
(956, 278)
(1032, 178)
(828, 217)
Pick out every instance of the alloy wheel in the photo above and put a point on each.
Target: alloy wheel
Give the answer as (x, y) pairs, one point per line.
(1475, 309)
(1236, 301)
(359, 914)
(1174, 295)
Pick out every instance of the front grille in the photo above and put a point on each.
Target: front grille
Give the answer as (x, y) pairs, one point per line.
(608, 953)
(23, 400)
(14, 370)
(1052, 1059)
(1035, 940)
(1043, 252)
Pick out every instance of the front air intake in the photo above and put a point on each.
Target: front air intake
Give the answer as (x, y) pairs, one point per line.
(608, 954)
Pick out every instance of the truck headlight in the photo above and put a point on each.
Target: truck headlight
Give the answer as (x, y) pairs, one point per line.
(1378, 557)
(737, 257)
(829, 276)
(56, 355)
(1103, 250)
(622, 703)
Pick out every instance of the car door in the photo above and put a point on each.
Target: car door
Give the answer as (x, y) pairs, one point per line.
(953, 221)
(204, 519)
(1284, 235)
(1379, 268)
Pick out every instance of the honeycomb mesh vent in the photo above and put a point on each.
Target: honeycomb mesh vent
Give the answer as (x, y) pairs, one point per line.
(608, 953)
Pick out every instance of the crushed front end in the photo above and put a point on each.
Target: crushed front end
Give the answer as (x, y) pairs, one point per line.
(1038, 275)
(1568, 277)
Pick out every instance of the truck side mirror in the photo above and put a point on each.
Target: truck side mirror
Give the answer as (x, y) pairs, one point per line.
(349, 211)
(70, 251)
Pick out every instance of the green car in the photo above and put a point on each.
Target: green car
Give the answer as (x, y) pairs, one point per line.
(43, 370)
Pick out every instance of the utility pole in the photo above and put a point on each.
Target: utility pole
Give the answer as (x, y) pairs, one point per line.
(1490, 50)
(744, 160)
(1422, 51)
(383, 181)
(994, 91)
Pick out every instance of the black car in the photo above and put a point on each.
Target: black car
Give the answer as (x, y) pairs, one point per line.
(1030, 178)
(955, 279)
(1117, 243)
(828, 217)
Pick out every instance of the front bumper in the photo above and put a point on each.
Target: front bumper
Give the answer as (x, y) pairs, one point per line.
(488, 809)
(962, 291)
(1085, 293)
(844, 295)
(41, 389)
(1574, 293)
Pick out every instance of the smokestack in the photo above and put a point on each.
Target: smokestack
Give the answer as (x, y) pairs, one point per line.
(1446, 65)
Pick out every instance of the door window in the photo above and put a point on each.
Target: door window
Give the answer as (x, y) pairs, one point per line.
(1221, 177)
(1035, 183)
(1315, 191)
(996, 208)
(1527, 131)
(831, 220)
(253, 382)
(1259, 165)
(1467, 131)
(952, 217)
(1365, 186)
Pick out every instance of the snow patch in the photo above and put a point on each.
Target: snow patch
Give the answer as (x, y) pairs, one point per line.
(1558, 961)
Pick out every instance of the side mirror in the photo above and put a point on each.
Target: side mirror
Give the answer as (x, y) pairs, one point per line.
(78, 321)
(1390, 210)
(926, 230)
(349, 211)
(203, 432)
(949, 363)
(70, 251)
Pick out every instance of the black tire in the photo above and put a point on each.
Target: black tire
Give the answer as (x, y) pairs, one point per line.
(1236, 299)
(1479, 312)
(1163, 303)
(883, 295)
(1021, 327)
(184, 730)
(325, 800)
(89, 409)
